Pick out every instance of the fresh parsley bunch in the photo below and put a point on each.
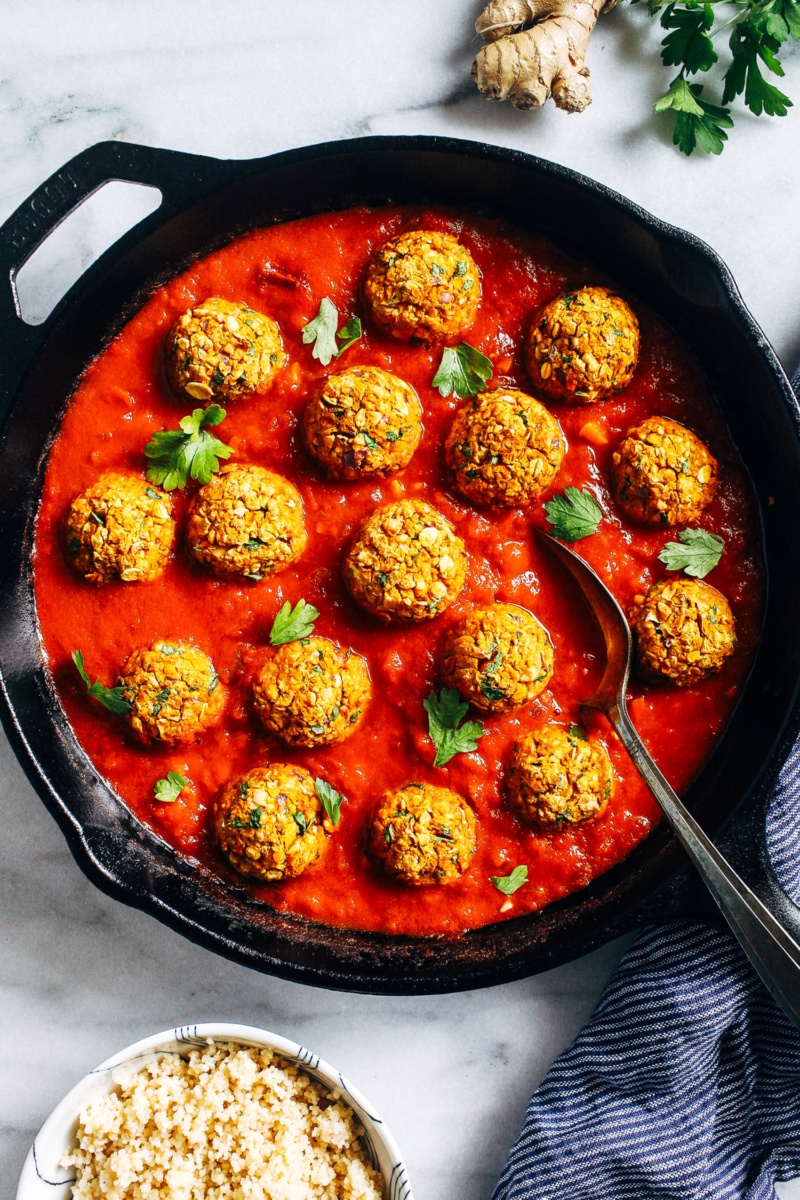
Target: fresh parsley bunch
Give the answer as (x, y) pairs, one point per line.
(758, 30)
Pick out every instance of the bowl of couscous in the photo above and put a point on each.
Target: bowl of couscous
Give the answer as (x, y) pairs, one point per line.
(204, 1112)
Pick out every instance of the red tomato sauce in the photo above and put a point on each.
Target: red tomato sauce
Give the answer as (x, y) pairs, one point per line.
(123, 399)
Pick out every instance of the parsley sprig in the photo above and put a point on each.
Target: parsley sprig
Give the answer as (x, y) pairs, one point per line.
(508, 884)
(330, 799)
(696, 552)
(293, 624)
(573, 515)
(113, 698)
(463, 370)
(177, 454)
(445, 714)
(167, 790)
(758, 30)
(322, 332)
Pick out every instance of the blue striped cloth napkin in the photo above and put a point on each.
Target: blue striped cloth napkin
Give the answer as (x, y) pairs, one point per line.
(685, 1084)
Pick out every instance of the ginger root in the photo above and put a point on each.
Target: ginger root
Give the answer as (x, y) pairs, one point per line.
(537, 49)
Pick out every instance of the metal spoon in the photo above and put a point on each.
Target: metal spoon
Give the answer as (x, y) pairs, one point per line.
(773, 953)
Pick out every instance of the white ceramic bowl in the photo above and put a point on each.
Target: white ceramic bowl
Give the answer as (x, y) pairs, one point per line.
(43, 1179)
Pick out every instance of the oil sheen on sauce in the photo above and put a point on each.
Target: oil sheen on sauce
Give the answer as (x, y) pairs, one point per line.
(123, 399)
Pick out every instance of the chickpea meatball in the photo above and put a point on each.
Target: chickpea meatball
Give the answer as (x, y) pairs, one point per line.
(406, 561)
(222, 349)
(423, 285)
(504, 448)
(312, 693)
(174, 692)
(247, 521)
(584, 345)
(423, 834)
(662, 473)
(499, 657)
(269, 822)
(120, 528)
(559, 777)
(363, 422)
(684, 630)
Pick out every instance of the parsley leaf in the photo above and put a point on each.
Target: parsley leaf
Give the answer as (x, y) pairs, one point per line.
(322, 332)
(449, 736)
(330, 799)
(748, 43)
(113, 698)
(688, 44)
(348, 334)
(508, 884)
(191, 451)
(696, 552)
(292, 624)
(573, 515)
(167, 790)
(697, 121)
(463, 371)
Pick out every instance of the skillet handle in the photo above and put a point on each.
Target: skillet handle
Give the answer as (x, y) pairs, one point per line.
(181, 178)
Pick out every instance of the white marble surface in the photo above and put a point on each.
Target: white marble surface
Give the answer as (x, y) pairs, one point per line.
(81, 976)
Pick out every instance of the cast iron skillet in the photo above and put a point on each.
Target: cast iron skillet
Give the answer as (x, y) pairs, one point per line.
(205, 204)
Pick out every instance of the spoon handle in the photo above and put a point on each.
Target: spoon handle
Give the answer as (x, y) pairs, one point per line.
(774, 954)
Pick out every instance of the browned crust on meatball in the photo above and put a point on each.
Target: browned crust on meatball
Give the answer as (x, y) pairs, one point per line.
(583, 345)
(406, 561)
(423, 285)
(559, 777)
(120, 528)
(173, 690)
(269, 823)
(312, 693)
(222, 349)
(504, 448)
(363, 422)
(662, 473)
(499, 657)
(685, 631)
(423, 835)
(247, 522)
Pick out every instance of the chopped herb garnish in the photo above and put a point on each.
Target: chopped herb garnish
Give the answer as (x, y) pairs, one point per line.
(370, 442)
(573, 515)
(301, 821)
(696, 552)
(152, 493)
(253, 820)
(463, 371)
(445, 714)
(330, 799)
(508, 884)
(98, 518)
(167, 790)
(490, 689)
(176, 455)
(576, 732)
(293, 624)
(113, 698)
